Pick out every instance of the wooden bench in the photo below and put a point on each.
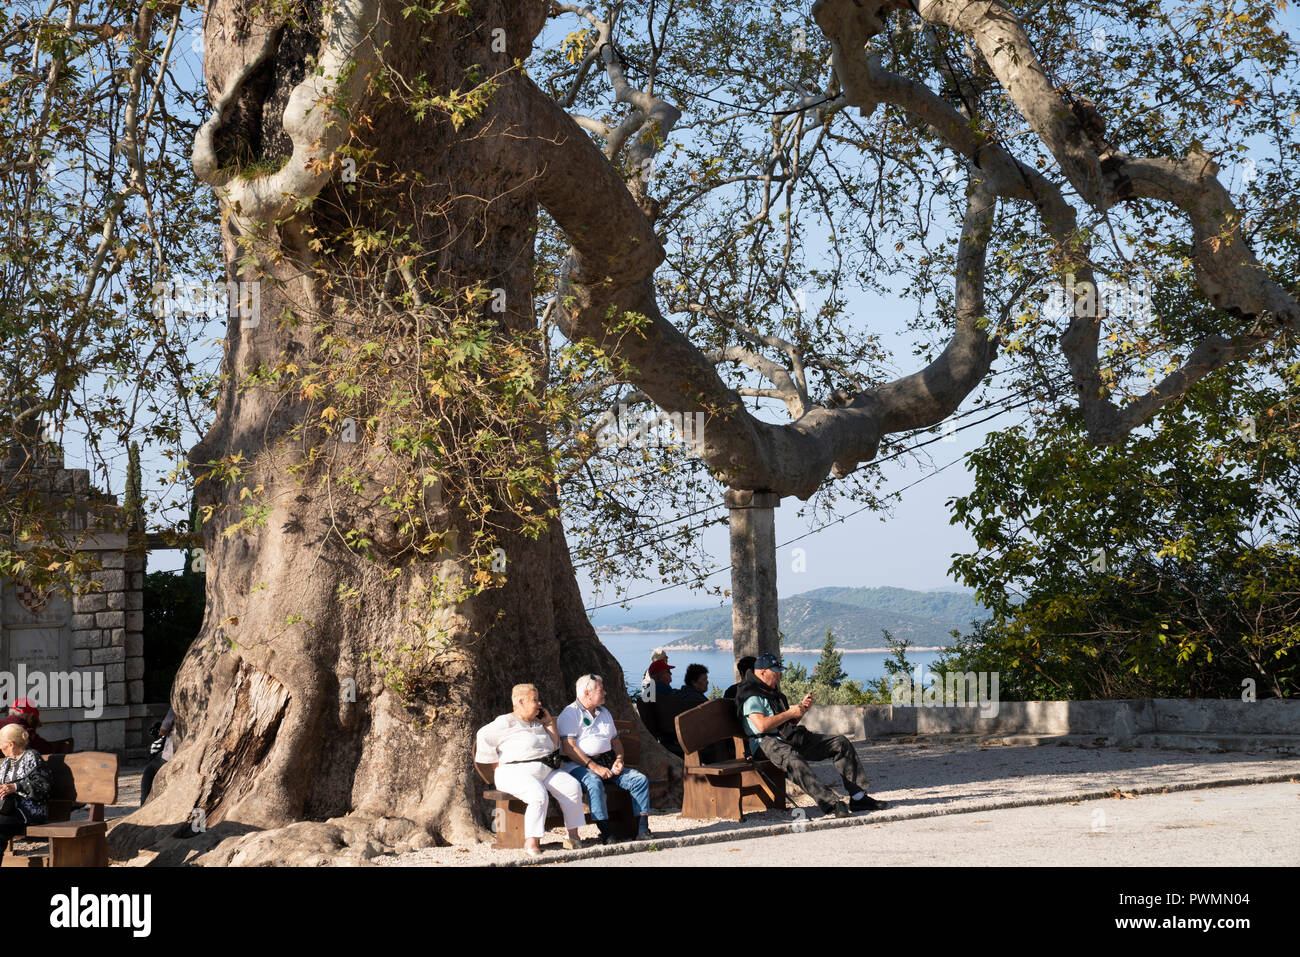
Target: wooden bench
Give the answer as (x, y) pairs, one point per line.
(730, 787)
(88, 777)
(508, 812)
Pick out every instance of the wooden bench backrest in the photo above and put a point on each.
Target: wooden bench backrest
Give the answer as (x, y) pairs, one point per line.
(84, 777)
(627, 733)
(706, 724)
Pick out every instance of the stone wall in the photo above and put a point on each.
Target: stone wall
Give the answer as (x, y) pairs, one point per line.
(100, 631)
(1194, 724)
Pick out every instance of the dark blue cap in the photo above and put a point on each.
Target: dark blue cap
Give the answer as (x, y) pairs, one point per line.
(768, 663)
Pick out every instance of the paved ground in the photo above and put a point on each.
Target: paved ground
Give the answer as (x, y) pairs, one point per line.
(923, 780)
(1248, 825)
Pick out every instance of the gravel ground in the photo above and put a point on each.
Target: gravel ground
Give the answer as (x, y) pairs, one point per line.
(920, 779)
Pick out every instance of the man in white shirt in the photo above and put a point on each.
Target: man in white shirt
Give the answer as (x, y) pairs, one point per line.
(596, 756)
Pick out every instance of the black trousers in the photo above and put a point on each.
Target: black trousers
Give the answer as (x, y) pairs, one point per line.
(10, 825)
(792, 753)
(147, 776)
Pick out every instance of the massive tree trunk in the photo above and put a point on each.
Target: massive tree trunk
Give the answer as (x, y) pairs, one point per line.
(445, 201)
(269, 733)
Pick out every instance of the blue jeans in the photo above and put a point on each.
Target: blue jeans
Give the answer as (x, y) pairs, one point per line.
(630, 780)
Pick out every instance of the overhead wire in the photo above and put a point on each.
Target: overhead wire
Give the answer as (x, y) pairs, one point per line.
(635, 533)
(814, 531)
(682, 91)
(837, 520)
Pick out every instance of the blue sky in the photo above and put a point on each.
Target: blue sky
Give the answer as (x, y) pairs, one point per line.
(911, 547)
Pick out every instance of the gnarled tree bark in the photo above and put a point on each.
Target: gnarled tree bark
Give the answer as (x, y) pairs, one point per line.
(271, 737)
(292, 749)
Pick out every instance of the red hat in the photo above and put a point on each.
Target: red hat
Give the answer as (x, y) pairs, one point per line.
(27, 709)
(657, 666)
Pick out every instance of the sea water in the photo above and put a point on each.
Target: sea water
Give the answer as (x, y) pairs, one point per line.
(632, 651)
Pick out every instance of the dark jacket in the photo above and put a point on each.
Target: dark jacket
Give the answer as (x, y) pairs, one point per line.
(730, 693)
(32, 775)
(752, 685)
(667, 705)
(692, 696)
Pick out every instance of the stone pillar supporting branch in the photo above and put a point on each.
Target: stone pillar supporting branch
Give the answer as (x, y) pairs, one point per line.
(754, 619)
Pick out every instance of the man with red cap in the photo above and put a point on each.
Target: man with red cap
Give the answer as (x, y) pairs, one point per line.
(668, 704)
(24, 712)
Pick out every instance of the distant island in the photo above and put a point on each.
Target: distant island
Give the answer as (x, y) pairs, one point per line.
(858, 616)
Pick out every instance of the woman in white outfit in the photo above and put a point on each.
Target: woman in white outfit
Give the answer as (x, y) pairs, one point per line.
(517, 743)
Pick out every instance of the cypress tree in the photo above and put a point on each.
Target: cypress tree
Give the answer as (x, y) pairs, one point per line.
(133, 504)
(829, 671)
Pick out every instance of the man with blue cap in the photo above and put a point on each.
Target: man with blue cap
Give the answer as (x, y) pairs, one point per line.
(774, 733)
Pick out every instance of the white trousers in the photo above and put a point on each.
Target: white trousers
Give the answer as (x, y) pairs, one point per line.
(530, 783)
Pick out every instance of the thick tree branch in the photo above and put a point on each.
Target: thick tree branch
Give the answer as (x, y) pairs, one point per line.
(997, 33)
(607, 295)
(312, 119)
(1226, 269)
(785, 388)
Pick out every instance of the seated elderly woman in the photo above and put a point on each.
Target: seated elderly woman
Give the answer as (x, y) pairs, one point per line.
(525, 746)
(24, 784)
